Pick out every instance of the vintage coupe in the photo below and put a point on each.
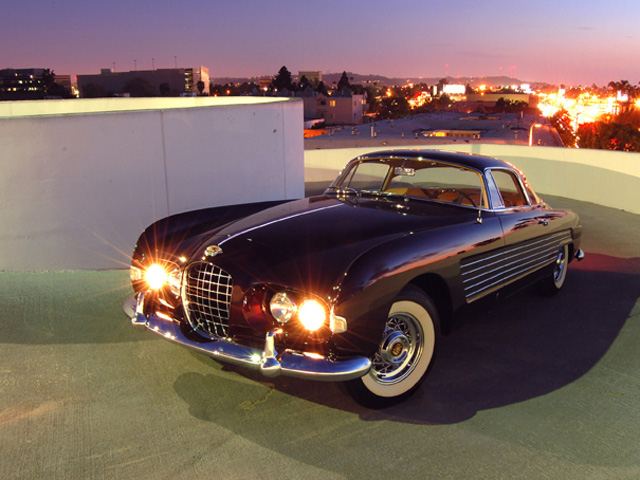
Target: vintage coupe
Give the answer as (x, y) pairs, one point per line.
(357, 284)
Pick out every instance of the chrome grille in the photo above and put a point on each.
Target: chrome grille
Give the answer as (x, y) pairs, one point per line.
(206, 297)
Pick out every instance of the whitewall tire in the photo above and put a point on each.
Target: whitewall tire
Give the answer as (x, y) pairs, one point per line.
(405, 353)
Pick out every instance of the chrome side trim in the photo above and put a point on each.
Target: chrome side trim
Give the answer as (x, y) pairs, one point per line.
(481, 276)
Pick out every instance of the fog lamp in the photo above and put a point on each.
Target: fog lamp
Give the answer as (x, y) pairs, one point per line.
(312, 315)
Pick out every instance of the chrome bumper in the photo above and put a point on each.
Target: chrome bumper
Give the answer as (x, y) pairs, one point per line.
(268, 361)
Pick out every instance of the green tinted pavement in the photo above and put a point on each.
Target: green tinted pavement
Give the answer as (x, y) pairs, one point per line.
(531, 388)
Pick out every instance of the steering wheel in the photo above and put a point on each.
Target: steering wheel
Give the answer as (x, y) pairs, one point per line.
(461, 196)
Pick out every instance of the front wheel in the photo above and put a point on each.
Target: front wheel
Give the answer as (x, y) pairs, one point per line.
(405, 353)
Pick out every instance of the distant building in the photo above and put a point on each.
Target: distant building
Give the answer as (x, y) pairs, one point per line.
(454, 90)
(27, 83)
(165, 81)
(487, 101)
(265, 83)
(314, 76)
(340, 108)
(194, 75)
(494, 97)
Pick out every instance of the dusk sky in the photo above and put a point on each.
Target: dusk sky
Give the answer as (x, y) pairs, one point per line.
(577, 42)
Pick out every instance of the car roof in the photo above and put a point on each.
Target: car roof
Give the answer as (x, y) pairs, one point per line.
(478, 162)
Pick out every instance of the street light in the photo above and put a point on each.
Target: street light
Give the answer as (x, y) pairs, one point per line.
(535, 125)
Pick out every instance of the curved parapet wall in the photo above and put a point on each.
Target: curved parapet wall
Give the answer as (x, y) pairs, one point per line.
(82, 178)
(611, 179)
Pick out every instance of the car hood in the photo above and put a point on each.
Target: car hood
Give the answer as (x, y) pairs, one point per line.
(309, 244)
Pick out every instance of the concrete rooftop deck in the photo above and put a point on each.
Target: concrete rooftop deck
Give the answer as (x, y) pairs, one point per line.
(533, 388)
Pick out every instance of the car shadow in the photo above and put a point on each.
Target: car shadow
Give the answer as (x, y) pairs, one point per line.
(500, 353)
(526, 346)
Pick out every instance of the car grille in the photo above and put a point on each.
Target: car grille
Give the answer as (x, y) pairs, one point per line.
(206, 297)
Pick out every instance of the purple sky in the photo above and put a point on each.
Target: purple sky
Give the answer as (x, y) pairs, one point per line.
(577, 42)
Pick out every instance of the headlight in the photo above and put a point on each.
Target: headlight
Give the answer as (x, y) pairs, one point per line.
(312, 315)
(174, 279)
(135, 274)
(157, 276)
(282, 307)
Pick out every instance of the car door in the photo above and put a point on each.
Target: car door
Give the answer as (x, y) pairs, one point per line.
(522, 218)
(532, 233)
(529, 242)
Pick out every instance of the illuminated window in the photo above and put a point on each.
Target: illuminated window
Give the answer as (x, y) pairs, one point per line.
(332, 103)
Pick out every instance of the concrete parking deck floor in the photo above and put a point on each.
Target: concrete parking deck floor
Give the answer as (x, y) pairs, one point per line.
(532, 388)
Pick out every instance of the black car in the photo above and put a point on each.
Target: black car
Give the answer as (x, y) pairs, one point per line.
(356, 284)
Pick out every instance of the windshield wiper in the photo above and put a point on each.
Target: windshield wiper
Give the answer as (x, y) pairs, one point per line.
(385, 195)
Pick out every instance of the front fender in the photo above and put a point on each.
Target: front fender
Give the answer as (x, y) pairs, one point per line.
(378, 276)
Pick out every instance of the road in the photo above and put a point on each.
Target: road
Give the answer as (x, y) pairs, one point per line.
(531, 388)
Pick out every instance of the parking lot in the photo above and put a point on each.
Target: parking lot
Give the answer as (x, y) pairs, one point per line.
(530, 387)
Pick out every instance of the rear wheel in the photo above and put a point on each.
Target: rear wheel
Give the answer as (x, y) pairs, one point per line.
(405, 353)
(552, 284)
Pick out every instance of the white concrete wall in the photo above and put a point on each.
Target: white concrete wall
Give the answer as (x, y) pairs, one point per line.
(604, 177)
(81, 179)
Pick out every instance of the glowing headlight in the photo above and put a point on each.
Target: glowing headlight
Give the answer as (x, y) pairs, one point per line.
(283, 308)
(157, 277)
(312, 315)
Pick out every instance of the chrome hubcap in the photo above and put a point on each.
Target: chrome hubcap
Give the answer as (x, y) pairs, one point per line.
(394, 348)
(561, 263)
(400, 349)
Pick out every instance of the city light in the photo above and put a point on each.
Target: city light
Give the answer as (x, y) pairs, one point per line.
(535, 125)
(587, 107)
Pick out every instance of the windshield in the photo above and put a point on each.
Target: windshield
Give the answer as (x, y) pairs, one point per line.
(418, 179)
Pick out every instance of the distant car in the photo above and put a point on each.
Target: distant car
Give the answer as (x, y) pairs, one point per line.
(356, 284)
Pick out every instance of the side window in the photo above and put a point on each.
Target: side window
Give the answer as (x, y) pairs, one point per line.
(494, 194)
(509, 189)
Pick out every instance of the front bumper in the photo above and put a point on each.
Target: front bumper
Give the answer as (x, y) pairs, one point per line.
(268, 361)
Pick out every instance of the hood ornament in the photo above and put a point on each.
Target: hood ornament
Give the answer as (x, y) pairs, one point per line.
(212, 250)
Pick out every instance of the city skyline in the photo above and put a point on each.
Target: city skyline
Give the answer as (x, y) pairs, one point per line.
(573, 42)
